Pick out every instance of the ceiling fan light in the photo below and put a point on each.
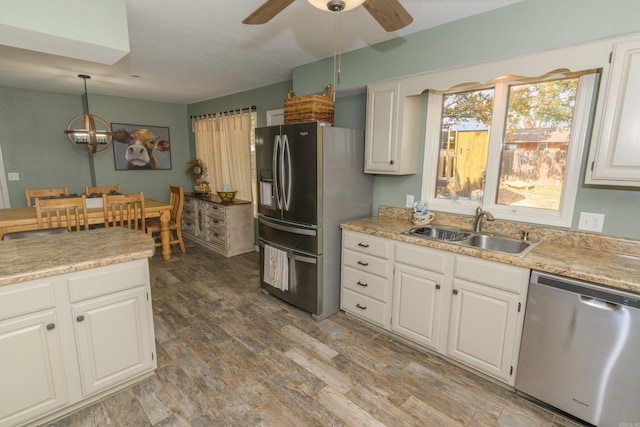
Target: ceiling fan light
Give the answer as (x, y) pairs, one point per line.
(325, 4)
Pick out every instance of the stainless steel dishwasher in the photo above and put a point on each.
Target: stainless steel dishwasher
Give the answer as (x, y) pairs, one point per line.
(580, 350)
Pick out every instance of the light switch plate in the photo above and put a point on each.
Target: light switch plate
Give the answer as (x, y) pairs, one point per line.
(591, 221)
(13, 176)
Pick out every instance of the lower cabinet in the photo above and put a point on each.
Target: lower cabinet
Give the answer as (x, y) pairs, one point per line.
(71, 339)
(32, 370)
(468, 309)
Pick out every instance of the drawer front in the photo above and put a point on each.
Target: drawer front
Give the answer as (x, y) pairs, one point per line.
(189, 204)
(216, 237)
(425, 258)
(26, 297)
(188, 211)
(216, 210)
(215, 221)
(366, 263)
(367, 284)
(365, 307)
(498, 275)
(188, 225)
(106, 280)
(366, 244)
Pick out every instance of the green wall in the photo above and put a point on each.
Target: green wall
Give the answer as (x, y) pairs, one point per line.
(34, 145)
(31, 122)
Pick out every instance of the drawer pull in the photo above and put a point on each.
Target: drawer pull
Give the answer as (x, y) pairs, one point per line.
(51, 326)
(364, 285)
(437, 286)
(215, 221)
(361, 307)
(455, 292)
(363, 263)
(363, 245)
(80, 318)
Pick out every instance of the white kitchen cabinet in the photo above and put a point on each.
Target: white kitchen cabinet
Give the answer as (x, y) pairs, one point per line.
(614, 157)
(223, 228)
(391, 137)
(71, 339)
(32, 372)
(421, 294)
(465, 308)
(113, 339)
(487, 314)
(367, 272)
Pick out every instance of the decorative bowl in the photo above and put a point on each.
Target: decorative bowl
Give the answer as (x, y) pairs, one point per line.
(227, 196)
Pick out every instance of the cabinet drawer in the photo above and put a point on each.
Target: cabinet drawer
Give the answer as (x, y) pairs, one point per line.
(215, 221)
(365, 283)
(366, 244)
(498, 275)
(188, 212)
(425, 258)
(106, 280)
(366, 262)
(365, 307)
(216, 210)
(27, 297)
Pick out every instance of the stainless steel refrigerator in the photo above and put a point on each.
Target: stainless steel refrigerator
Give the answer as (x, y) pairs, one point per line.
(310, 179)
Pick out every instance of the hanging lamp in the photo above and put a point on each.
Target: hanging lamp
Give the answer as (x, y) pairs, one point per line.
(88, 129)
(336, 5)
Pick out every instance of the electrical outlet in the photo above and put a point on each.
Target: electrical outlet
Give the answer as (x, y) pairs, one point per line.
(409, 202)
(13, 176)
(591, 221)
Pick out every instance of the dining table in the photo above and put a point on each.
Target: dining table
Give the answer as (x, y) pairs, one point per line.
(24, 218)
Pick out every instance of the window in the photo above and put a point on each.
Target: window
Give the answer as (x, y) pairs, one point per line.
(513, 147)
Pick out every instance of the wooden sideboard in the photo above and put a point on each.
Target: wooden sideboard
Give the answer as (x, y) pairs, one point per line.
(226, 228)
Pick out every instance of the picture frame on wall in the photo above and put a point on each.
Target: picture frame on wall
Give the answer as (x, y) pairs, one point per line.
(141, 147)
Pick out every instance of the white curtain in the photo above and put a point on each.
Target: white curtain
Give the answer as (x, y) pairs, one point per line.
(223, 143)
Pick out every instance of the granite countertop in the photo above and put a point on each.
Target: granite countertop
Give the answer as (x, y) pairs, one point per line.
(613, 262)
(37, 257)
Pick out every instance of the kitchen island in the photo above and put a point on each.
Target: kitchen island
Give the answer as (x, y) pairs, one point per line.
(75, 321)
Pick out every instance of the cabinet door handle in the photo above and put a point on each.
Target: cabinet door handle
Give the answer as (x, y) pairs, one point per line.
(51, 326)
(363, 263)
(363, 245)
(437, 286)
(80, 318)
(455, 292)
(364, 285)
(392, 162)
(361, 307)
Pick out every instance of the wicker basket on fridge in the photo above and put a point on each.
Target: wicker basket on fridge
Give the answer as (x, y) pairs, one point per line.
(309, 108)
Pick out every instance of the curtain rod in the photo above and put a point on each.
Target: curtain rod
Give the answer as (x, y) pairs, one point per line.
(252, 108)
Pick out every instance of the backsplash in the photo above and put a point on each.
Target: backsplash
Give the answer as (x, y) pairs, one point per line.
(616, 245)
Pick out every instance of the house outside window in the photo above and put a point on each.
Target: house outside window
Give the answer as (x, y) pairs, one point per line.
(513, 147)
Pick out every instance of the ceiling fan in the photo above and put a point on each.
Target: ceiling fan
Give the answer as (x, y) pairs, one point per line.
(389, 13)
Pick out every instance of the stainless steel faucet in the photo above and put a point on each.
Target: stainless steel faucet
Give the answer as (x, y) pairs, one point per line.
(477, 222)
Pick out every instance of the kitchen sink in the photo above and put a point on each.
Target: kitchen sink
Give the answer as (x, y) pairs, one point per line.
(488, 242)
(440, 233)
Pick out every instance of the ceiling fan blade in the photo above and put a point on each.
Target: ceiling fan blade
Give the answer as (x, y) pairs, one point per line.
(268, 10)
(389, 13)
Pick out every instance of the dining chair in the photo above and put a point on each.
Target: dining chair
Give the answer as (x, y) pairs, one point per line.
(108, 189)
(33, 193)
(124, 210)
(68, 212)
(176, 200)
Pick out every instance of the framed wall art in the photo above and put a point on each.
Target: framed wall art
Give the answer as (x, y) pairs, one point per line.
(141, 147)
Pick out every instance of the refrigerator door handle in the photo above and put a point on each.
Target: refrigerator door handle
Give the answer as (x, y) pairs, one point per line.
(286, 195)
(276, 172)
(295, 230)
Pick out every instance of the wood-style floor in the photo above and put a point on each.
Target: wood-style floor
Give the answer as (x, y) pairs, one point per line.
(228, 355)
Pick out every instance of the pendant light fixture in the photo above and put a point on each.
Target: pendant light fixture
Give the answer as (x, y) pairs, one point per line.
(88, 132)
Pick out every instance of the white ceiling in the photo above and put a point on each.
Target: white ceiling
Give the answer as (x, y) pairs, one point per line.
(193, 50)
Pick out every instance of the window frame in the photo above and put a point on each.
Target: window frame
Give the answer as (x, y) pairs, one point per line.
(580, 131)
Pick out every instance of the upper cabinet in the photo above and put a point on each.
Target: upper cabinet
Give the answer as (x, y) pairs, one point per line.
(393, 121)
(614, 158)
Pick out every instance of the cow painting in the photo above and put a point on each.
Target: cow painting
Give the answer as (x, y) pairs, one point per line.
(139, 147)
